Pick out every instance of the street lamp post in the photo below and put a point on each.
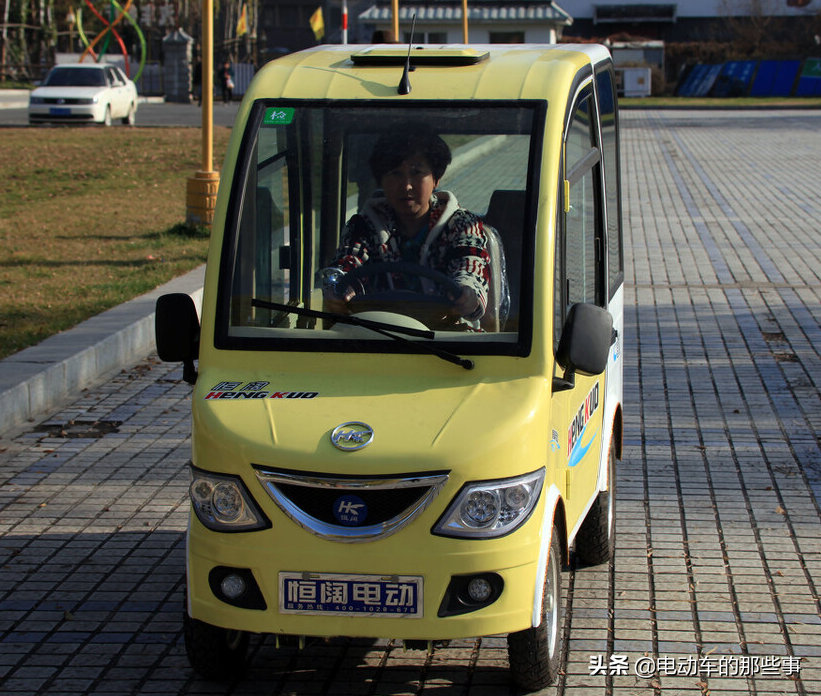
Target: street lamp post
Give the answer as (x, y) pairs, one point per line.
(201, 198)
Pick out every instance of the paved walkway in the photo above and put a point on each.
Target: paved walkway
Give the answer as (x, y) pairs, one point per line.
(715, 585)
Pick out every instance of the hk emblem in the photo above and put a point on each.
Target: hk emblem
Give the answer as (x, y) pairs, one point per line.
(350, 510)
(352, 436)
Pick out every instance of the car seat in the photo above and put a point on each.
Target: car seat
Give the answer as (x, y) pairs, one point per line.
(503, 222)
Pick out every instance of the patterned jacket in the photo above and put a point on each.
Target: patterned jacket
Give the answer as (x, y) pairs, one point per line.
(455, 244)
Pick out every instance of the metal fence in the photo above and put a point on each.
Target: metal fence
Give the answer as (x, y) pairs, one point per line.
(22, 73)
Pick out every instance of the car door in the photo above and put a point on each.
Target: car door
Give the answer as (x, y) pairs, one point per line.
(614, 248)
(118, 93)
(578, 403)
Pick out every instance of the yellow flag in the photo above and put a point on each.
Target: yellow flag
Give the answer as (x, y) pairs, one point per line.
(242, 24)
(318, 24)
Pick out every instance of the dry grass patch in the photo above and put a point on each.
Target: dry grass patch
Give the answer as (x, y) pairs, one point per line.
(90, 218)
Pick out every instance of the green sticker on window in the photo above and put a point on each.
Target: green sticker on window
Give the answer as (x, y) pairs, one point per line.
(278, 116)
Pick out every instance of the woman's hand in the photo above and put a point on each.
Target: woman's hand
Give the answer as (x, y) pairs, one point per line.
(337, 303)
(466, 304)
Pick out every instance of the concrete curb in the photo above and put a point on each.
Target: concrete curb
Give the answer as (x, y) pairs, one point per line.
(14, 98)
(40, 378)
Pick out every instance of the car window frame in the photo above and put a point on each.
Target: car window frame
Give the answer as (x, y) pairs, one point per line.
(583, 88)
(521, 347)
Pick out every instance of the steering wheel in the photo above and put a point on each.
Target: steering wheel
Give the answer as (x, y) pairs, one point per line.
(452, 288)
(406, 301)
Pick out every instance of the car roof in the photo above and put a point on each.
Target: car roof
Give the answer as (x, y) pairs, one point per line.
(96, 66)
(475, 71)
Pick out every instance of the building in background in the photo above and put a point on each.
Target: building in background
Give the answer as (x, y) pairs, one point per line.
(689, 20)
(285, 25)
(489, 21)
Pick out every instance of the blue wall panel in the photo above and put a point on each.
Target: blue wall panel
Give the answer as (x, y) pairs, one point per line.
(809, 84)
(700, 80)
(734, 79)
(775, 78)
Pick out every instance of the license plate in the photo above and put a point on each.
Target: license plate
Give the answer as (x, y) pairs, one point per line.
(56, 111)
(334, 594)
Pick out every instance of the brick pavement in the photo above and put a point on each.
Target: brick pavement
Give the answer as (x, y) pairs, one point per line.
(715, 585)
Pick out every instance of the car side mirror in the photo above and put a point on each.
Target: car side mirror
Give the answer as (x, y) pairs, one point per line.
(585, 343)
(177, 330)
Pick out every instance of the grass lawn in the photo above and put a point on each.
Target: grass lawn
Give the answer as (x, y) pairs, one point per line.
(90, 218)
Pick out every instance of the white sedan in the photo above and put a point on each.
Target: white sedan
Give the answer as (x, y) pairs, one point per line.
(84, 93)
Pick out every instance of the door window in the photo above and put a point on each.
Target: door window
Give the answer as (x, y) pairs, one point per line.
(610, 151)
(263, 251)
(579, 267)
(113, 78)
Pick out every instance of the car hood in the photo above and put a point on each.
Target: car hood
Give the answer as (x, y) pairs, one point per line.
(67, 92)
(423, 426)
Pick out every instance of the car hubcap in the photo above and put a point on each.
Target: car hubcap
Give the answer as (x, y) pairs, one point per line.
(551, 606)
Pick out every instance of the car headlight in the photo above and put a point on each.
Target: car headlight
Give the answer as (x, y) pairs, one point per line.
(489, 509)
(36, 100)
(222, 503)
(87, 100)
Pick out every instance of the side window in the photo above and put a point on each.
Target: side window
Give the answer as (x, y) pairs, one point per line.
(610, 150)
(579, 136)
(579, 270)
(262, 261)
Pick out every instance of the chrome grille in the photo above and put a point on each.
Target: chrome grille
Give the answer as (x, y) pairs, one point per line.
(385, 504)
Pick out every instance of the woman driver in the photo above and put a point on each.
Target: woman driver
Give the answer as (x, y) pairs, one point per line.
(409, 221)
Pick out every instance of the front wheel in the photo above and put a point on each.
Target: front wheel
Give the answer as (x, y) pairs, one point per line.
(214, 652)
(107, 116)
(534, 653)
(131, 117)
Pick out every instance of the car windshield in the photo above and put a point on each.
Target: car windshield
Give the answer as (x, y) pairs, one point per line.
(417, 216)
(75, 77)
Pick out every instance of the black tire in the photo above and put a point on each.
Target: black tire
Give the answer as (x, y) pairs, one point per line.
(214, 653)
(596, 540)
(535, 653)
(131, 117)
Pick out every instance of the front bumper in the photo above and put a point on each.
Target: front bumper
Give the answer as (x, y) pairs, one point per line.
(71, 113)
(413, 552)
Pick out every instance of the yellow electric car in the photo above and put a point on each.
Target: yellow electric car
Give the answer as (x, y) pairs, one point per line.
(407, 407)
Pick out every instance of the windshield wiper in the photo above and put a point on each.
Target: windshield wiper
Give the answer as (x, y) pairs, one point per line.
(382, 328)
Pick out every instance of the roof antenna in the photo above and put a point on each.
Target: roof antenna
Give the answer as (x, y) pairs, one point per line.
(404, 83)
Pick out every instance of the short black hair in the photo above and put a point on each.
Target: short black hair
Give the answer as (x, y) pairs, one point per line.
(395, 146)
